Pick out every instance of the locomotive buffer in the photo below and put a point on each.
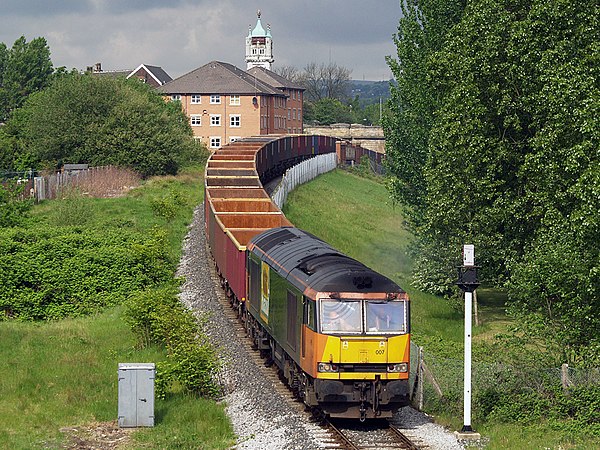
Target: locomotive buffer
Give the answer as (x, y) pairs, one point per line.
(467, 282)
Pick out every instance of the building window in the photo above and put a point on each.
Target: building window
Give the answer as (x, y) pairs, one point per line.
(215, 141)
(176, 97)
(235, 100)
(235, 120)
(294, 114)
(196, 120)
(215, 120)
(215, 99)
(196, 99)
(289, 113)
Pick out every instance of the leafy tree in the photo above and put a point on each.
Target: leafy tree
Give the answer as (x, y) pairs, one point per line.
(503, 154)
(98, 120)
(24, 69)
(327, 111)
(422, 30)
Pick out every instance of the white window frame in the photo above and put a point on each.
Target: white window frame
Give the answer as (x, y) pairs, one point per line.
(235, 118)
(214, 141)
(235, 100)
(195, 99)
(215, 120)
(215, 99)
(197, 118)
(176, 97)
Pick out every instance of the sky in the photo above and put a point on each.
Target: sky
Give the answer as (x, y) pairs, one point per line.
(182, 35)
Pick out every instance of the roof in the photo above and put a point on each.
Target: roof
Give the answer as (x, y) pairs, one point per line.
(218, 77)
(309, 263)
(155, 72)
(273, 79)
(112, 73)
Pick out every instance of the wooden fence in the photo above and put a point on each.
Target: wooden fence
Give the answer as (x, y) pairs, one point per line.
(103, 181)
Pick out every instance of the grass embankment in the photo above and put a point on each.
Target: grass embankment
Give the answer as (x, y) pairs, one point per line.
(63, 374)
(356, 216)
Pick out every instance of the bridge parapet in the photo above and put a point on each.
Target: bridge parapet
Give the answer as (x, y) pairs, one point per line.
(369, 137)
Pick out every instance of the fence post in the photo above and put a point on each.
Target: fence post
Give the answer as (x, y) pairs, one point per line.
(564, 377)
(420, 379)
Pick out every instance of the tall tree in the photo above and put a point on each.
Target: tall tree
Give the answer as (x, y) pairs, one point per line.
(421, 32)
(325, 81)
(24, 69)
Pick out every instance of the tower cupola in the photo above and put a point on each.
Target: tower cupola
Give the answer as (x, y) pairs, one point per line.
(259, 46)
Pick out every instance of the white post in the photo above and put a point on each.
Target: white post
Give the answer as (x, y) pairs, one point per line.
(468, 282)
(467, 374)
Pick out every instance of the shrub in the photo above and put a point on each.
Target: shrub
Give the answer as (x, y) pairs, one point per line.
(13, 210)
(157, 317)
(56, 273)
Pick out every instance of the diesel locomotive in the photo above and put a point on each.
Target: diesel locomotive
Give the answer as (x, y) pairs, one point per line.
(338, 331)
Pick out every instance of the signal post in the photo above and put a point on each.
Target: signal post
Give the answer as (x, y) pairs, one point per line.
(467, 282)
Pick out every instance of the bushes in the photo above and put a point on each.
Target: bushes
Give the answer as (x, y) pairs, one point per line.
(157, 317)
(12, 209)
(70, 271)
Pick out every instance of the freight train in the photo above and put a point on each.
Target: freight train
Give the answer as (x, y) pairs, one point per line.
(338, 331)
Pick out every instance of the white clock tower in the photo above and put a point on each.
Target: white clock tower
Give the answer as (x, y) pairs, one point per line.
(259, 46)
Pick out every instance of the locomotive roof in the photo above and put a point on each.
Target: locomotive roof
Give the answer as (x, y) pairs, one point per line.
(308, 262)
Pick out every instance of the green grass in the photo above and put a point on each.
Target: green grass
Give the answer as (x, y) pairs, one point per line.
(64, 373)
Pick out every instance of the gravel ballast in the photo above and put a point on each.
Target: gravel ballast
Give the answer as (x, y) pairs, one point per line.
(262, 417)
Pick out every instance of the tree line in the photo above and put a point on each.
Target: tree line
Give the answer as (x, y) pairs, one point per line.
(52, 116)
(493, 139)
(328, 96)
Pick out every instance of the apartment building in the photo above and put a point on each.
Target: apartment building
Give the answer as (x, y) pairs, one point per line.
(225, 103)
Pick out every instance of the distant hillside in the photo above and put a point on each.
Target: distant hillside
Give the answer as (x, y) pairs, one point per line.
(369, 91)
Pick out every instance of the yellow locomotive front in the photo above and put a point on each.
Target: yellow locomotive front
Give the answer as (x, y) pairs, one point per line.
(359, 353)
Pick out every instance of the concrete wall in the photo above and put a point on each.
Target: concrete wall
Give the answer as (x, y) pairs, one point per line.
(365, 136)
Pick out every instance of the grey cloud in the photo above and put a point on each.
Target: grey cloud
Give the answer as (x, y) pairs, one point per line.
(44, 8)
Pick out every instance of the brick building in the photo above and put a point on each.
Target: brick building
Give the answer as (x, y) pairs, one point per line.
(225, 103)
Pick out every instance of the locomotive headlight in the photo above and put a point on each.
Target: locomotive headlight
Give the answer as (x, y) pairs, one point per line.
(327, 367)
(400, 367)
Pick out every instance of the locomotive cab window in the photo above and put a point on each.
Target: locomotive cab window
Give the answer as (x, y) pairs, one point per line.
(386, 317)
(309, 314)
(339, 316)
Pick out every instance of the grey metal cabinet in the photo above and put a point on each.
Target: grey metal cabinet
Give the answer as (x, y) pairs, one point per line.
(136, 394)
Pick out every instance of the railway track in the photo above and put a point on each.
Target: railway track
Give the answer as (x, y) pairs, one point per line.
(376, 434)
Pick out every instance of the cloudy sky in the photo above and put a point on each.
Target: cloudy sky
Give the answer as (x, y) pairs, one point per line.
(181, 35)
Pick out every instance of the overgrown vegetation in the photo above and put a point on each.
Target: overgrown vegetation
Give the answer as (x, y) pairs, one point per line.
(157, 317)
(13, 208)
(80, 255)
